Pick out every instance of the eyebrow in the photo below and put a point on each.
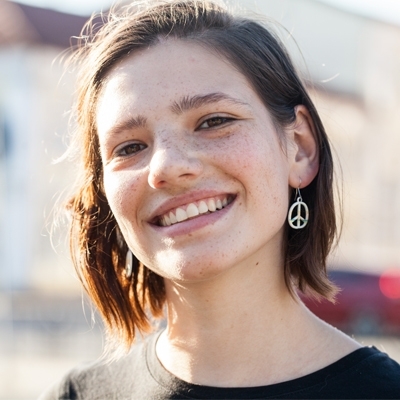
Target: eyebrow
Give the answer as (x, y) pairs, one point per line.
(187, 103)
(130, 123)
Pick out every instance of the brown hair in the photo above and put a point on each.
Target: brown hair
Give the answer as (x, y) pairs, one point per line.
(96, 242)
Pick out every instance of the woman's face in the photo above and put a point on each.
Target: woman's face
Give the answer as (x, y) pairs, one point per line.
(194, 170)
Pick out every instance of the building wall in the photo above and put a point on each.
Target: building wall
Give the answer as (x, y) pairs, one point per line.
(33, 107)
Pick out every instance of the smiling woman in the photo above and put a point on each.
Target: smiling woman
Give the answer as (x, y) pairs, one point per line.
(206, 192)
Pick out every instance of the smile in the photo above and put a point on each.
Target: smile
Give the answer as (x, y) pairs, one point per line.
(192, 210)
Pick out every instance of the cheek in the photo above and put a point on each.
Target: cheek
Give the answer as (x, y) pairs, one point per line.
(261, 167)
(233, 153)
(257, 157)
(122, 192)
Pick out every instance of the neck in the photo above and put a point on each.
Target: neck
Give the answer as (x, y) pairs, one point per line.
(219, 323)
(244, 330)
(222, 303)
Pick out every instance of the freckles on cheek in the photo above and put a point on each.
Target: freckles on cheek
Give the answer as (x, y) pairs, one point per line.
(242, 154)
(233, 151)
(120, 193)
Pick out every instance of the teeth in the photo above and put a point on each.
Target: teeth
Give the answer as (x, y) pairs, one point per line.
(172, 218)
(181, 215)
(211, 205)
(193, 210)
(203, 207)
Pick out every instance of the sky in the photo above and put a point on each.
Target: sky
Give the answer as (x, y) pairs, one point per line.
(386, 10)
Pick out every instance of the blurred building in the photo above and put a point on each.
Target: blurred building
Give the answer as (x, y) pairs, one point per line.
(34, 104)
(40, 324)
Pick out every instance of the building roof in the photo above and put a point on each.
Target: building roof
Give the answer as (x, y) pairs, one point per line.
(20, 23)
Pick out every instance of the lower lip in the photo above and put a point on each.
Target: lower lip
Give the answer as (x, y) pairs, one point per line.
(191, 225)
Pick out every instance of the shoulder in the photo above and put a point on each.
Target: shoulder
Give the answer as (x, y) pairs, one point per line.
(365, 373)
(378, 367)
(100, 380)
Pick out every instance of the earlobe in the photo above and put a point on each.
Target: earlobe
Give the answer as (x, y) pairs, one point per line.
(305, 163)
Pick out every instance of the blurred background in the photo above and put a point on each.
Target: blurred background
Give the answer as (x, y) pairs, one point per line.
(350, 57)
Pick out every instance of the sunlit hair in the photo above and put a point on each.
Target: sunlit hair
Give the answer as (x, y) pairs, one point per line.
(97, 246)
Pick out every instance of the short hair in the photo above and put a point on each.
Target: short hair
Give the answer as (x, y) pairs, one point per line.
(97, 246)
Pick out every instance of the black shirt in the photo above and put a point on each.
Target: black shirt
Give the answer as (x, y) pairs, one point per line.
(366, 373)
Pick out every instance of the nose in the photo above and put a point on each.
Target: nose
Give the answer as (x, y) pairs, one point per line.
(173, 164)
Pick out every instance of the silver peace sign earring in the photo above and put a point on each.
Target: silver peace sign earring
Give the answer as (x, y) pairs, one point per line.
(297, 219)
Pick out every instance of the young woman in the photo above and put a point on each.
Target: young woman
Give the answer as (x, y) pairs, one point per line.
(206, 192)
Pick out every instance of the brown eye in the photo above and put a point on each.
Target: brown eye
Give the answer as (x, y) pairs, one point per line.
(214, 122)
(131, 149)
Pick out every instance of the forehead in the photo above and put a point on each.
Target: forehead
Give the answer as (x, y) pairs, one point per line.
(170, 69)
(171, 58)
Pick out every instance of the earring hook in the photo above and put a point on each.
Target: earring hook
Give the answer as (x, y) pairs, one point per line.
(298, 194)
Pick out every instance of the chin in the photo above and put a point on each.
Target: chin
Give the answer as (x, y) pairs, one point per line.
(191, 270)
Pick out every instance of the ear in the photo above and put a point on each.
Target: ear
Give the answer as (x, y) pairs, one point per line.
(305, 163)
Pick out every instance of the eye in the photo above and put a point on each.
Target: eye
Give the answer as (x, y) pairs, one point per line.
(214, 122)
(130, 149)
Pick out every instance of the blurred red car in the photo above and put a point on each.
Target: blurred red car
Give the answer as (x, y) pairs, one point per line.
(366, 304)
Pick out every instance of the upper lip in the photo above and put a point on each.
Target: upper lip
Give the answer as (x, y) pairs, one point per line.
(182, 200)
